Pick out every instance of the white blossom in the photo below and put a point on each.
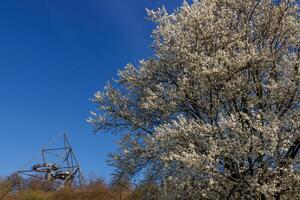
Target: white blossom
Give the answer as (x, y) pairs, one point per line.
(214, 114)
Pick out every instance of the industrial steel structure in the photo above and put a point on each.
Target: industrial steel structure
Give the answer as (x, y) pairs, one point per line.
(57, 164)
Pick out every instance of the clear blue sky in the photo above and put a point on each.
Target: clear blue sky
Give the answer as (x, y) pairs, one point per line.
(54, 54)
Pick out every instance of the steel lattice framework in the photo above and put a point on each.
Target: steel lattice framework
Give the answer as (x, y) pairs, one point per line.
(57, 164)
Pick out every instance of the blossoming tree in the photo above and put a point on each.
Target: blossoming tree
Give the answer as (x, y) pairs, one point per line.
(214, 114)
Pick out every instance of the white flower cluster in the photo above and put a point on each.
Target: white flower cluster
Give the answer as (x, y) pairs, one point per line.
(215, 113)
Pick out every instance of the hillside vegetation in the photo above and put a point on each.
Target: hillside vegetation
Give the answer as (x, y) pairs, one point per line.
(16, 188)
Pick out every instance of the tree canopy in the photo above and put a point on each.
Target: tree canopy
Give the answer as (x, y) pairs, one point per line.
(214, 113)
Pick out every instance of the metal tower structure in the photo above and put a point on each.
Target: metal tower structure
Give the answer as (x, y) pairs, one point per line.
(55, 163)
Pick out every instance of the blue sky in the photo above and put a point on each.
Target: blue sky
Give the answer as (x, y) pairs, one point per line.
(54, 55)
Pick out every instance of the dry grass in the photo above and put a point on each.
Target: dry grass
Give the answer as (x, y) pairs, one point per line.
(20, 189)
